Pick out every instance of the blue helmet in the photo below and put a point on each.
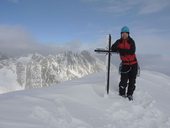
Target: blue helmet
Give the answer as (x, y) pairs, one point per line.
(125, 29)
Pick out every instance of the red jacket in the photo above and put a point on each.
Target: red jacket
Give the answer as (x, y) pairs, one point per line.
(126, 49)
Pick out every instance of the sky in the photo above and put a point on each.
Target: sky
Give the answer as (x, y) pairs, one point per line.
(43, 25)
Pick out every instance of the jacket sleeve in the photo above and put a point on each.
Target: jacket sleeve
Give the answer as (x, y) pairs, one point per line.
(129, 51)
(114, 47)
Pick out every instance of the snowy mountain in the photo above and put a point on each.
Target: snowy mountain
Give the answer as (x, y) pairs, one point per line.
(82, 103)
(36, 70)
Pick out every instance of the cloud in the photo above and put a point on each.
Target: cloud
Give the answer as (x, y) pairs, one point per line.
(15, 37)
(14, 1)
(112, 6)
(16, 41)
(152, 45)
(123, 6)
(151, 6)
(159, 63)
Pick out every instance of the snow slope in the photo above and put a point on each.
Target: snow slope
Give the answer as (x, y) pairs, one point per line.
(82, 103)
(8, 80)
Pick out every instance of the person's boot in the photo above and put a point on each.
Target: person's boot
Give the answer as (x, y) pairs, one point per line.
(124, 96)
(130, 97)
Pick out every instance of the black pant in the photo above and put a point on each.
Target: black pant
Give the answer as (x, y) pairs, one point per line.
(128, 78)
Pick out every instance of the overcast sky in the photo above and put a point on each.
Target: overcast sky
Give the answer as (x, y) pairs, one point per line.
(30, 25)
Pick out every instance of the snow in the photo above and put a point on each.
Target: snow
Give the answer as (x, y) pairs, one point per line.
(7, 84)
(82, 104)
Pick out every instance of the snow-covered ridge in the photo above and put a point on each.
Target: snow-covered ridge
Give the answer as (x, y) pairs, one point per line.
(81, 104)
(36, 70)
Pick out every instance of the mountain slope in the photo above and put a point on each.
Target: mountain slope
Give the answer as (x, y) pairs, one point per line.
(81, 104)
(36, 70)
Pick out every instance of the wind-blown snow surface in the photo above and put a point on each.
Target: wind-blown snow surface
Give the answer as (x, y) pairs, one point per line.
(82, 104)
